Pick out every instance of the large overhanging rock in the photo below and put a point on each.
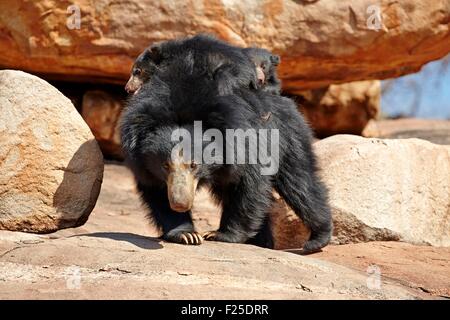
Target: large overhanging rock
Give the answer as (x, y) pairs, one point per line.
(321, 42)
(51, 167)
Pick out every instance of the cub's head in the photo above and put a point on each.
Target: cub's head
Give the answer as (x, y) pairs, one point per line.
(266, 63)
(143, 68)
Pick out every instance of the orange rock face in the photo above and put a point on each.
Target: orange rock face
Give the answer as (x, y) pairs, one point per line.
(342, 108)
(320, 42)
(288, 230)
(101, 111)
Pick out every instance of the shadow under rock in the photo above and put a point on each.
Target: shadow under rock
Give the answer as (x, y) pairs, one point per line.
(150, 243)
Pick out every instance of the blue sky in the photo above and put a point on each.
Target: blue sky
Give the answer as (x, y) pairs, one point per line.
(428, 90)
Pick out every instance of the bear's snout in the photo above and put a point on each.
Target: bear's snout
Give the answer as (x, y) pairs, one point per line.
(181, 199)
(181, 186)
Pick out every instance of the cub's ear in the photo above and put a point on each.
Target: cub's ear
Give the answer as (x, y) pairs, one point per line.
(275, 59)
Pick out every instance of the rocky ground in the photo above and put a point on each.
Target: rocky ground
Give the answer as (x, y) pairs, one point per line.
(116, 255)
(424, 268)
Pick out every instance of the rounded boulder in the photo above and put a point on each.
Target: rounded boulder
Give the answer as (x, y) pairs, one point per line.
(51, 167)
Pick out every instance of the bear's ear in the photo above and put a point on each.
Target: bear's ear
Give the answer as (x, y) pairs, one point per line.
(153, 53)
(275, 59)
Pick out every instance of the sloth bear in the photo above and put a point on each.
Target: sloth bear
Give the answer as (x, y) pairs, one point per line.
(196, 86)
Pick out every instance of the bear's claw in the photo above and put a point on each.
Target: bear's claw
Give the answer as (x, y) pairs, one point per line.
(210, 235)
(191, 238)
(184, 237)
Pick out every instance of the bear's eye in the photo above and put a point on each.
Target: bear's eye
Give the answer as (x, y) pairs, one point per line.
(193, 165)
(137, 71)
(166, 166)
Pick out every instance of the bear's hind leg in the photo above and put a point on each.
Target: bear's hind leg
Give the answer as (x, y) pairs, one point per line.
(307, 197)
(245, 208)
(264, 237)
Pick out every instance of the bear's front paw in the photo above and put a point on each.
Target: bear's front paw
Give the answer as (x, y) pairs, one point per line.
(220, 236)
(184, 237)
